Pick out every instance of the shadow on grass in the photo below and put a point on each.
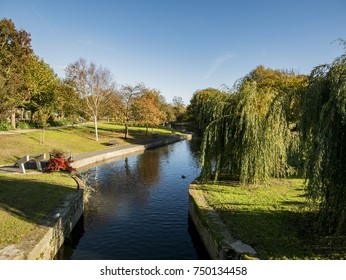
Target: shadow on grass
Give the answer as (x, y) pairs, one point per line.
(29, 199)
(135, 136)
(31, 137)
(78, 131)
(294, 203)
(282, 234)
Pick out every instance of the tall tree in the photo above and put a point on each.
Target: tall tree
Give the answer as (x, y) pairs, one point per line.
(169, 115)
(247, 134)
(113, 110)
(200, 99)
(69, 103)
(94, 84)
(15, 54)
(324, 139)
(42, 87)
(128, 94)
(179, 108)
(148, 109)
(280, 85)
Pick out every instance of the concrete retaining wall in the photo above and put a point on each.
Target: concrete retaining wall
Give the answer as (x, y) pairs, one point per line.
(168, 141)
(62, 221)
(106, 155)
(220, 244)
(55, 229)
(120, 151)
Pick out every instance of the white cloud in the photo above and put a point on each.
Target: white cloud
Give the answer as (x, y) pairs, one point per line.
(217, 63)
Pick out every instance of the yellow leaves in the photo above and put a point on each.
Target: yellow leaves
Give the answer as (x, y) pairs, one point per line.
(147, 108)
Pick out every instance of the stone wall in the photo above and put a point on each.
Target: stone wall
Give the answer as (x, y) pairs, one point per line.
(62, 222)
(55, 229)
(220, 244)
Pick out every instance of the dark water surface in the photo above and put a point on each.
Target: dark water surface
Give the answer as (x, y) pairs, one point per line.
(139, 209)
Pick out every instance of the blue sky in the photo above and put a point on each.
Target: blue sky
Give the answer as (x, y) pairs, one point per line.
(180, 46)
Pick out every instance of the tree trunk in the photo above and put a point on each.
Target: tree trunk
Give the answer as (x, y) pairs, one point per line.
(126, 130)
(13, 119)
(96, 131)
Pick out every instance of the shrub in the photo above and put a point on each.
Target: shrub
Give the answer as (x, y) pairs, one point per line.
(60, 123)
(5, 126)
(56, 153)
(28, 125)
(23, 125)
(58, 162)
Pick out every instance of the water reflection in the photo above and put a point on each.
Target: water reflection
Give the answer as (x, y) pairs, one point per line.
(139, 209)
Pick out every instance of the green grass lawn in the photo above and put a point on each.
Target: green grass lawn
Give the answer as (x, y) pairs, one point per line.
(276, 220)
(25, 200)
(74, 139)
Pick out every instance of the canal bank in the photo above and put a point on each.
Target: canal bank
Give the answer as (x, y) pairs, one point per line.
(87, 159)
(52, 232)
(136, 204)
(217, 239)
(58, 225)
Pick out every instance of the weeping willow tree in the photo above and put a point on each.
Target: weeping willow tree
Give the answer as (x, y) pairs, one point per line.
(217, 141)
(249, 136)
(324, 139)
(239, 142)
(203, 101)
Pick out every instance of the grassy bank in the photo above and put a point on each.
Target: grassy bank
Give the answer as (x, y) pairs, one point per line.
(25, 200)
(276, 220)
(73, 139)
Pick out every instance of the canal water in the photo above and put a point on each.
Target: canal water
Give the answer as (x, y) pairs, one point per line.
(139, 208)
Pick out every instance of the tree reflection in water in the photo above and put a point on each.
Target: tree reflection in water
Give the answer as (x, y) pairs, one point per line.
(139, 209)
